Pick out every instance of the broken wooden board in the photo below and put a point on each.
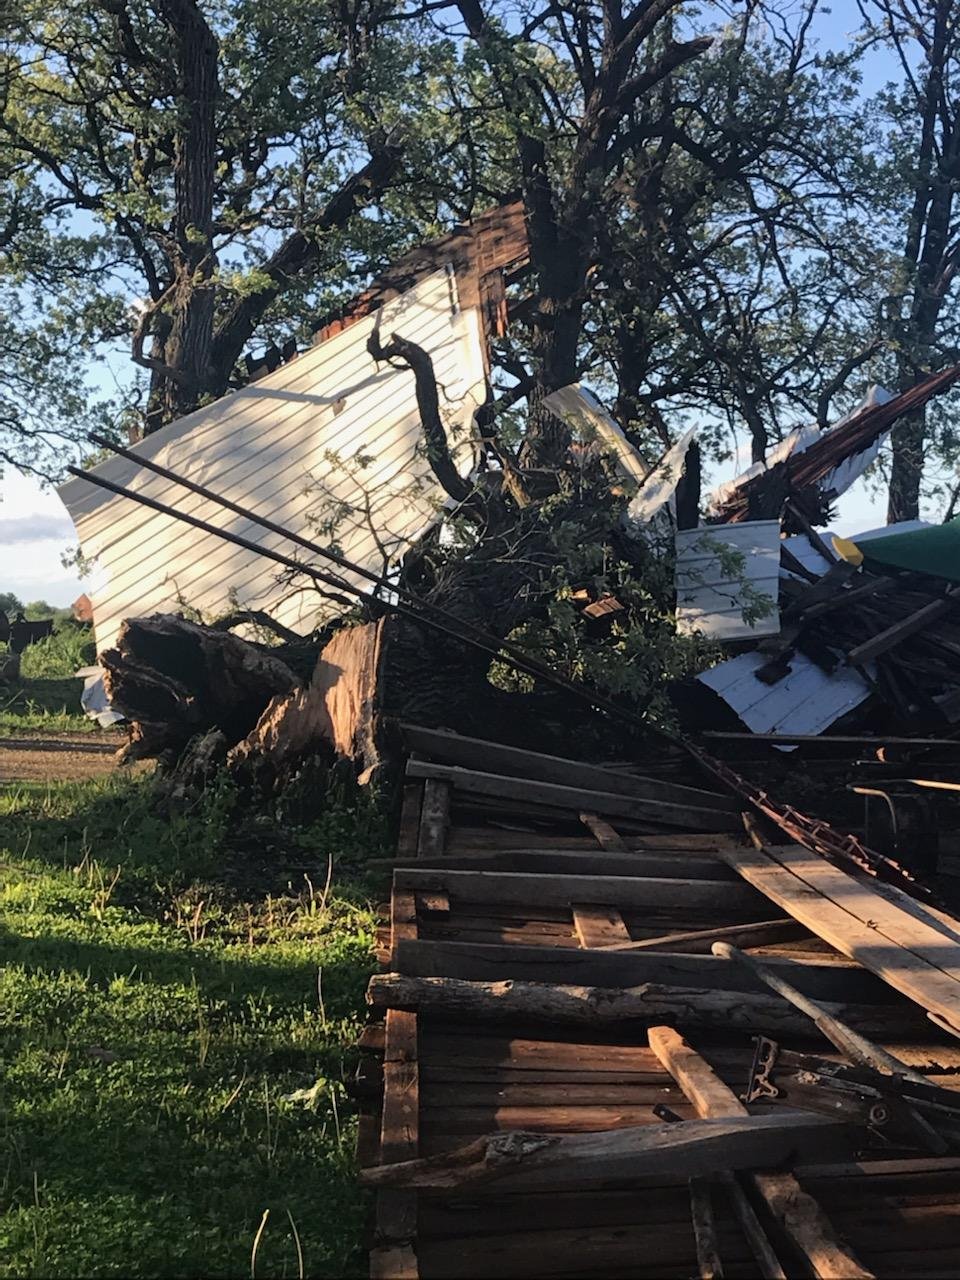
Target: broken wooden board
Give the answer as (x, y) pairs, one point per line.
(450, 748)
(697, 1148)
(527, 889)
(902, 950)
(799, 1213)
(577, 799)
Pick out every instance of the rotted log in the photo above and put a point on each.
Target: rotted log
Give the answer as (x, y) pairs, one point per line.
(603, 1006)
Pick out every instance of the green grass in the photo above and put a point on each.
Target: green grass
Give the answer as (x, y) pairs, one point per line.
(159, 1011)
(47, 706)
(46, 699)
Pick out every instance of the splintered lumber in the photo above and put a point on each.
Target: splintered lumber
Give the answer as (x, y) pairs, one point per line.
(526, 889)
(496, 757)
(856, 1047)
(528, 791)
(606, 837)
(860, 1050)
(799, 1213)
(697, 941)
(601, 1006)
(903, 950)
(518, 1160)
(899, 631)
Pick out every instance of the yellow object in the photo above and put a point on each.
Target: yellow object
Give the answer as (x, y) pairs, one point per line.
(847, 550)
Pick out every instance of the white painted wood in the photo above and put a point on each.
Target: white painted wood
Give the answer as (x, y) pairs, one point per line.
(331, 437)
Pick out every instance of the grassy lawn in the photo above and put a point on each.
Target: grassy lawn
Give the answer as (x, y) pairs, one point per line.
(46, 698)
(44, 706)
(177, 1002)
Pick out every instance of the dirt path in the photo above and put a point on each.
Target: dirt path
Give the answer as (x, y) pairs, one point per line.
(67, 756)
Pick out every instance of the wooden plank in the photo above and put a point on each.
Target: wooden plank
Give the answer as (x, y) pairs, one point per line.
(798, 1213)
(699, 941)
(495, 1092)
(526, 889)
(445, 1122)
(627, 1248)
(899, 631)
(709, 1266)
(910, 956)
(489, 961)
(401, 1086)
(908, 1167)
(495, 757)
(697, 1148)
(550, 861)
(605, 835)
(434, 818)
(396, 1212)
(409, 819)
(403, 919)
(577, 799)
(599, 926)
(512, 837)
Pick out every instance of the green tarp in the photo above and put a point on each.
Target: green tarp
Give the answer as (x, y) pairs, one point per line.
(934, 551)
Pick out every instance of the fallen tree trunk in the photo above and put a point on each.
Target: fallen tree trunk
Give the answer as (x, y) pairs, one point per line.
(599, 1006)
(696, 1148)
(176, 679)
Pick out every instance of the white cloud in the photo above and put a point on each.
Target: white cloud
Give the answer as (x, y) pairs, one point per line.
(35, 531)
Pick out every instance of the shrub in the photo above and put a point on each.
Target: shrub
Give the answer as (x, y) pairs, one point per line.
(59, 655)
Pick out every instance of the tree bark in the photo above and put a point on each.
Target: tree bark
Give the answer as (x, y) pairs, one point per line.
(186, 346)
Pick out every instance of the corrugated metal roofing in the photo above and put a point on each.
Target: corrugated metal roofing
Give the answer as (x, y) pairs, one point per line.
(806, 700)
(329, 444)
(711, 599)
(582, 411)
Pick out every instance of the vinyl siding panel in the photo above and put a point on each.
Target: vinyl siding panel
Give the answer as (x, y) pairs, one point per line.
(328, 439)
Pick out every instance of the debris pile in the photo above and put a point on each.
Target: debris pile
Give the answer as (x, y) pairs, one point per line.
(604, 1044)
(321, 488)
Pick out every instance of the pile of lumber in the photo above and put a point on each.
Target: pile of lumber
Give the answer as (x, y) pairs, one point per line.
(901, 631)
(574, 1000)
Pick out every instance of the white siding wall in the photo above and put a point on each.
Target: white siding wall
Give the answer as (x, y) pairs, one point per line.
(709, 598)
(330, 436)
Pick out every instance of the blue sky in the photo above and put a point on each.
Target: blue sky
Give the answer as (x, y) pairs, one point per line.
(35, 530)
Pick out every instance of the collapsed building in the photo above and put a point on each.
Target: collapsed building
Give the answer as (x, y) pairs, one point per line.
(638, 1016)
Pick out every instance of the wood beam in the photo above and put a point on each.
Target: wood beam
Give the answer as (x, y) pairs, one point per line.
(798, 1213)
